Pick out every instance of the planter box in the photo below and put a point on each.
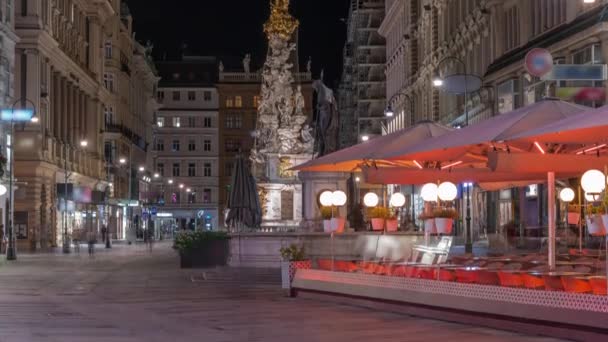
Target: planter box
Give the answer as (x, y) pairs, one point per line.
(392, 225)
(429, 226)
(444, 225)
(337, 224)
(595, 225)
(288, 272)
(574, 218)
(377, 224)
(327, 226)
(213, 253)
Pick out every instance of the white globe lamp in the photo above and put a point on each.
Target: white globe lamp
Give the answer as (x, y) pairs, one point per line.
(338, 198)
(3, 189)
(447, 191)
(429, 192)
(326, 198)
(397, 200)
(593, 181)
(566, 195)
(370, 200)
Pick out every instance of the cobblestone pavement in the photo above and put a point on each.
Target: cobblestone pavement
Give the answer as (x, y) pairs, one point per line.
(129, 294)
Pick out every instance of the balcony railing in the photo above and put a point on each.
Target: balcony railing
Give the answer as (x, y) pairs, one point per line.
(125, 131)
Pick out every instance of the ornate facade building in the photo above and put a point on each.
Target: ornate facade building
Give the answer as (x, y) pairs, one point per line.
(8, 39)
(186, 144)
(492, 39)
(361, 94)
(67, 49)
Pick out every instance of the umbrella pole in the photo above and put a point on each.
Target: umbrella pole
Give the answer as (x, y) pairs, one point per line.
(580, 222)
(551, 217)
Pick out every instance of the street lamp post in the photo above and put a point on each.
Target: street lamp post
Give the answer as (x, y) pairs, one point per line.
(83, 143)
(438, 82)
(22, 115)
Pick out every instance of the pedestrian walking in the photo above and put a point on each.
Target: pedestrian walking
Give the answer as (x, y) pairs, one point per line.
(104, 232)
(91, 238)
(150, 242)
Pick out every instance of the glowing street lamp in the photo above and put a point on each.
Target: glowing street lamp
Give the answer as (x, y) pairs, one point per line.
(593, 182)
(326, 198)
(338, 198)
(447, 191)
(397, 200)
(429, 192)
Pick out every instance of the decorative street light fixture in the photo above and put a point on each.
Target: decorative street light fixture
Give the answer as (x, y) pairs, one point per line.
(429, 192)
(371, 200)
(13, 115)
(389, 112)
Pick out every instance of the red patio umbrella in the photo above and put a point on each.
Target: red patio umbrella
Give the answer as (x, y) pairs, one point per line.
(349, 159)
(495, 133)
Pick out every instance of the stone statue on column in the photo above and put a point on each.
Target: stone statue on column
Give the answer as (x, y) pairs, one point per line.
(247, 63)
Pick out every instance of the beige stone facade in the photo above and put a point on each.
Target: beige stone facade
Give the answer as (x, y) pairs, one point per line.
(61, 67)
(492, 38)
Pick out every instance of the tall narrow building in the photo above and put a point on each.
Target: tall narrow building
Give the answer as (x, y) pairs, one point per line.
(361, 94)
(186, 145)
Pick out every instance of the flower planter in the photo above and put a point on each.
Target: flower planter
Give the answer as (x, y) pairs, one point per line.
(444, 225)
(392, 225)
(288, 272)
(327, 226)
(429, 226)
(574, 218)
(337, 224)
(211, 254)
(377, 224)
(595, 225)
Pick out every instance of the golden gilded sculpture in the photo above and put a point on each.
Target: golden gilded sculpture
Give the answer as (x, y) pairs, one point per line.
(280, 23)
(284, 168)
(263, 195)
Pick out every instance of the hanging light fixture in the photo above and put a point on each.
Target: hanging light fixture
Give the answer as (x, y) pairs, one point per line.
(447, 191)
(397, 200)
(370, 200)
(429, 192)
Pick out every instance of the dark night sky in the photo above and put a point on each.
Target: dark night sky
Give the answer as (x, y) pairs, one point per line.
(234, 27)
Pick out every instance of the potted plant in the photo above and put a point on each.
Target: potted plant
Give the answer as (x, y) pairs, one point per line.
(595, 222)
(378, 215)
(392, 223)
(293, 258)
(574, 214)
(202, 248)
(444, 219)
(429, 222)
(326, 214)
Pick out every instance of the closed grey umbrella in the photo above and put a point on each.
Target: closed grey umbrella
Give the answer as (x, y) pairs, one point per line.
(244, 203)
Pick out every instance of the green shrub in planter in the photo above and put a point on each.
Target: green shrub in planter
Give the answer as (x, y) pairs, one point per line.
(202, 248)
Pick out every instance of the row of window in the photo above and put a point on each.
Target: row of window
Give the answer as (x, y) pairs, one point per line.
(190, 95)
(191, 122)
(176, 170)
(176, 145)
(237, 101)
(175, 197)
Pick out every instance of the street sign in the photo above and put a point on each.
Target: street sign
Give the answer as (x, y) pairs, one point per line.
(577, 72)
(153, 211)
(200, 214)
(581, 93)
(16, 115)
(539, 62)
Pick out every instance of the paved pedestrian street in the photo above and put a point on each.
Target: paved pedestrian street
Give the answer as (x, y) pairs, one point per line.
(128, 294)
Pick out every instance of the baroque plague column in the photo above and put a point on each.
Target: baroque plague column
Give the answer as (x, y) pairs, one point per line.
(283, 139)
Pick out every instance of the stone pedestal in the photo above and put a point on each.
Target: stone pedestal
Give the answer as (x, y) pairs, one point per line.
(281, 190)
(313, 184)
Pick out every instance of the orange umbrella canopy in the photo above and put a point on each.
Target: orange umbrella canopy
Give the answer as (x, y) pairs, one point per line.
(497, 133)
(588, 127)
(350, 159)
